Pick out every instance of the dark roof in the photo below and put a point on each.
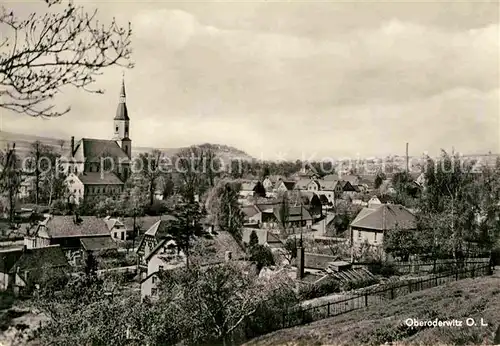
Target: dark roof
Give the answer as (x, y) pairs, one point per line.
(95, 149)
(98, 243)
(162, 227)
(99, 178)
(121, 111)
(250, 210)
(289, 185)
(8, 258)
(35, 259)
(59, 226)
(294, 214)
(385, 217)
(143, 223)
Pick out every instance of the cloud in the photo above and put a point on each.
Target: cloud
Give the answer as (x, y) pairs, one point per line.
(269, 89)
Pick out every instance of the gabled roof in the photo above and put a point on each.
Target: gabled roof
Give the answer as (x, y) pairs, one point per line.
(92, 150)
(331, 177)
(166, 242)
(294, 214)
(327, 185)
(162, 227)
(61, 226)
(302, 184)
(385, 217)
(250, 210)
(289, 185)
(99, 178)
(143, 223)
(98, 243)
(38, 258)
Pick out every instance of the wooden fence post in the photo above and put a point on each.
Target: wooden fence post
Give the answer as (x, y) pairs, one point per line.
(366, 299)
(392, 292)
(283, 322)
(328, 310)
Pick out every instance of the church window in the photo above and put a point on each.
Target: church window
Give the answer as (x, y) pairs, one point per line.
(116, 129)
(126, 129)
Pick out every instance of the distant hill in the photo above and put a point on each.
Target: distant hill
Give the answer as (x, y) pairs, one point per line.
(23, 146)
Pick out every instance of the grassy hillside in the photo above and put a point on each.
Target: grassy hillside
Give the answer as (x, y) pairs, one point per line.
(471, 298)
(23, 146)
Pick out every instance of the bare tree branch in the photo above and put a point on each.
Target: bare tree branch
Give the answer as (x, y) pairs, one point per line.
(43, 53)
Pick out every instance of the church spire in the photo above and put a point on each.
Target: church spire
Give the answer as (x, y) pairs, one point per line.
(122, 112)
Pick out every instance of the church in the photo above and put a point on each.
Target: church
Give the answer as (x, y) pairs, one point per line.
(100, 167)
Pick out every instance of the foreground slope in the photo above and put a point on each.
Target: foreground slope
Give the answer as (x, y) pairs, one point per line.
(470, 298)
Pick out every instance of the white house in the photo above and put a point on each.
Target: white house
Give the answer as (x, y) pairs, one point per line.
(165, 256)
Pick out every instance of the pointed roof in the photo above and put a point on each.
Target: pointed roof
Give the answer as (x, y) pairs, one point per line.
(121, 111)
(385, 217)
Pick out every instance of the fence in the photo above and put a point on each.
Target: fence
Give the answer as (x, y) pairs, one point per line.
(413, 267)
(301, 315)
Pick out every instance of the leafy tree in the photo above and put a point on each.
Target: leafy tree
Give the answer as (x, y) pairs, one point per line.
(262, 256)
(188, 225)
(284, 213)
(402, 243)
(47, 51)
(11, 178)
(90, 264)
(289, 250)
(266, 172)
(150, 171)
(226, 209)
(254, 239)
(190, 165)
(379, 179)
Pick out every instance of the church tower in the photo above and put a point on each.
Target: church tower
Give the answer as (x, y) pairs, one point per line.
(122, 124)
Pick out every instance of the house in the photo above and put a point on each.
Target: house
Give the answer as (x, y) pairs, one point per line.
(371, 224)
(153, 236)
(268, 183)
(66, 231)
(306, 172)
(111, 157)
(8, 258)
(93, 185)
(97, 244)
(252, 215)
(284, 186)
(142, 224)
(310, 200)
(29, 270)
(264, 236)
(298, 216)
(247, 188)
(374, 202)
(166, 257)
(116, 228)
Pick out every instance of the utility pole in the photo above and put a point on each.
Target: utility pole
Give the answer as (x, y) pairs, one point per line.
(407, 159)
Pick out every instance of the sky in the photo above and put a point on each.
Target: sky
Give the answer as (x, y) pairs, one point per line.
(296, 79)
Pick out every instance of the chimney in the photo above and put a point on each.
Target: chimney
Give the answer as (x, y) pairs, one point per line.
(228, 256)
(300, 263)
(72, 145)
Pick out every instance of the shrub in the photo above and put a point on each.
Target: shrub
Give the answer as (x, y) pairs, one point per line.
(384, 269)
(355, 284)
(320, 289)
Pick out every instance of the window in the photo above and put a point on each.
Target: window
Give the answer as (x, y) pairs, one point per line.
(74, 191)
(126, 129)
(123, 235)
(160, 267)
(116, 129)
(153, 279)
(115, 235)
(154, 292)
(359, 234)
(375, 238)
(76, 169)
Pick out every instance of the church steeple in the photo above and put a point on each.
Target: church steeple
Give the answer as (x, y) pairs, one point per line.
(121, 111)
(121, 123)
